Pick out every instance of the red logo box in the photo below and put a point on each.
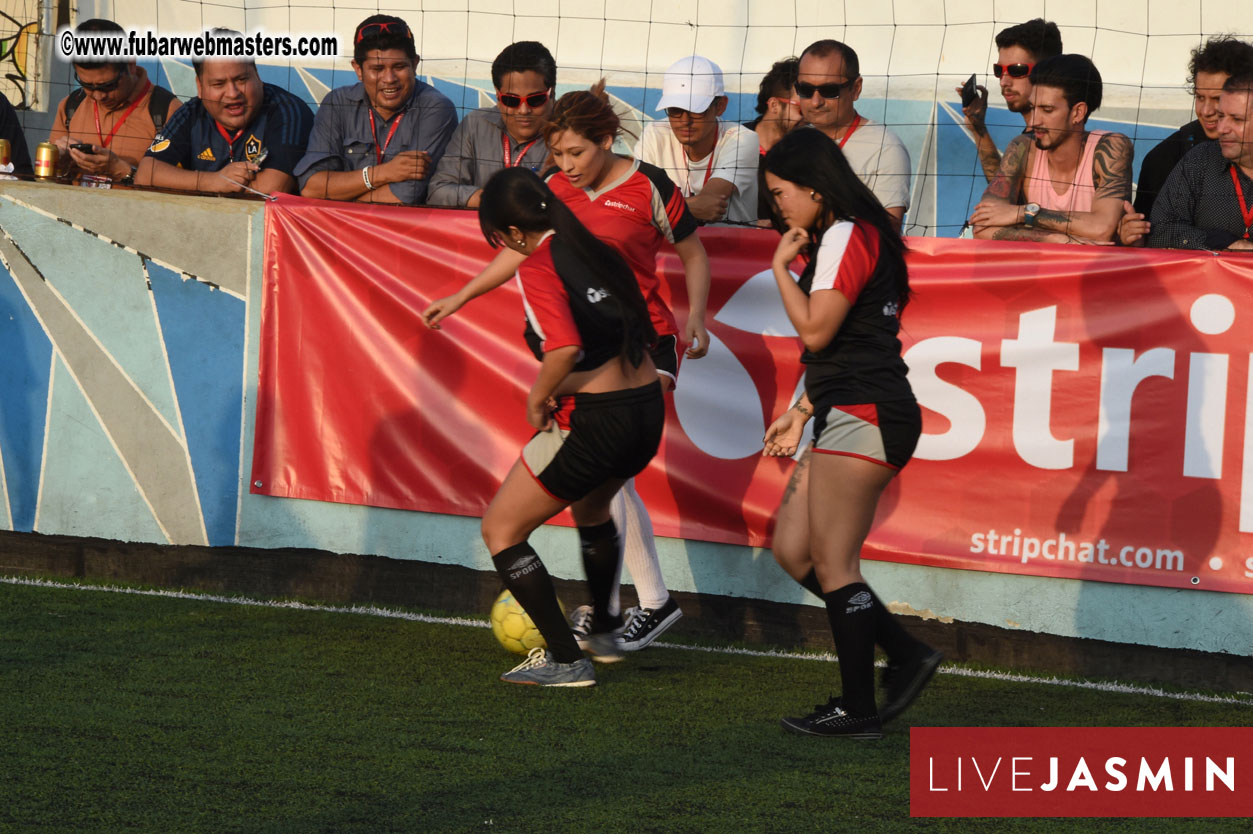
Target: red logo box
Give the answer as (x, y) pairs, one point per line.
(1081, 772)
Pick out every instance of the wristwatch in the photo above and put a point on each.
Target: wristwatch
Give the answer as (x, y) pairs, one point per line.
(1029, 211)
(129, 179)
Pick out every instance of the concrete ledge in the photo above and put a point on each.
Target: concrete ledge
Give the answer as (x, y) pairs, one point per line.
(336, 578)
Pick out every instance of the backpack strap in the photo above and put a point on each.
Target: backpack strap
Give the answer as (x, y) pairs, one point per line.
(71, 104)
(159, 105)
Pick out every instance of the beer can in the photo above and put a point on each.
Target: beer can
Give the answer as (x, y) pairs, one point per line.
(6, 153)
(46, 160)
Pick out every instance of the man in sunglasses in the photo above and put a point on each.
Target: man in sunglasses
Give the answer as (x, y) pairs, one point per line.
(1061, 183)
(507, 135)
(103, 128)
(1018, 49)
(713, 163)
(828, 85)
(379, 140)
(238, 134)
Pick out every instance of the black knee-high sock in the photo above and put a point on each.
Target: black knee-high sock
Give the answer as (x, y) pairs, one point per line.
(810, 582)
(898, 643)
(602, 562)
(527, 579)
(851, 611)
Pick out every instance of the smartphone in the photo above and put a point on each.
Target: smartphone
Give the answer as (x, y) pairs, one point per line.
(83, 147)
(969, 94)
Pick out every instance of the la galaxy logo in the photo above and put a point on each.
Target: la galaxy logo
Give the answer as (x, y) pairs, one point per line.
(252, 148)
(159, 143)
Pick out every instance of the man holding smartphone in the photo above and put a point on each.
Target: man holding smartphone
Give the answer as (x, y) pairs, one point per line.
(1018, 49)
(103, 128)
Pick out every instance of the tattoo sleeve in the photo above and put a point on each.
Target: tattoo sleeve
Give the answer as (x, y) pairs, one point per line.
(1023, 233)
(1007, 184)
(1111, 168)
(989, 156)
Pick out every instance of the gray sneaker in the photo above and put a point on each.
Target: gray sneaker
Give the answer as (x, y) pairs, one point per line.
(581, 625)
(539, 669)
(604, 646)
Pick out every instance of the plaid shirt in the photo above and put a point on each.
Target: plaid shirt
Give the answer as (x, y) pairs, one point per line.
(1198, 207)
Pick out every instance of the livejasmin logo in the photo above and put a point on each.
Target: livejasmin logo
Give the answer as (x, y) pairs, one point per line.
(1081, 771)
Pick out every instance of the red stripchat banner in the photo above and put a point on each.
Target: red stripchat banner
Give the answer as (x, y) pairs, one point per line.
(1081, 772)
(1085, 409)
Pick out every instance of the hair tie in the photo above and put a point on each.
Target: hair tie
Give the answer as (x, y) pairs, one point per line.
(543, 206)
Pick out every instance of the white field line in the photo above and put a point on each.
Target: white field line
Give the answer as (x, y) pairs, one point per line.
(826, 657)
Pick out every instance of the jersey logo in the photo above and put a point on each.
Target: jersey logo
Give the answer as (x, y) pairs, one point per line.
(595, 295)
(207, 155)
(618, 205)
(159, 143)
(252, 148)
(892, 308)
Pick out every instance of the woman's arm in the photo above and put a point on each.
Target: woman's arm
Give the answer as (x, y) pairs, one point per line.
(556, 366)
(696, 270)
(784, 435)
(500, 270)
(816, 317)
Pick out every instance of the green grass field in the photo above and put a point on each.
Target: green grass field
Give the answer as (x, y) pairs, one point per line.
(123, 712)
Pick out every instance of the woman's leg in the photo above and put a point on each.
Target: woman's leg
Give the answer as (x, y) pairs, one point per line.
(602, 559)
(791, 529)
(520, 506)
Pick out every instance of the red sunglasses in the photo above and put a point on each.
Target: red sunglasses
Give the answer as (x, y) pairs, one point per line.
(1014, 70)
(372, 29)
(533, 100)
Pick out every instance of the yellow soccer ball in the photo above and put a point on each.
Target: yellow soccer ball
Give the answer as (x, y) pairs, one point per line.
(513, 627)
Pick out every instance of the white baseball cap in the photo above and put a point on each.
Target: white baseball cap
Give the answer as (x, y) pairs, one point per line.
(691, 83)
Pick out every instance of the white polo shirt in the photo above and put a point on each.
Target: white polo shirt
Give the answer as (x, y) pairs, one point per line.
(735, 159)
(879, 158)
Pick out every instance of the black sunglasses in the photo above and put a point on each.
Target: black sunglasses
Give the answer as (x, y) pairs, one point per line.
(1014, 70)
(533, 100)
(832, 91)
(679, 112)
(106, 87)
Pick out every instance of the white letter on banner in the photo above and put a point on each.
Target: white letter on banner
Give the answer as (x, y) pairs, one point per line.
(1036, 356)
(1121, 374)
(1246, 475)
(1207, 416)
(963, 410)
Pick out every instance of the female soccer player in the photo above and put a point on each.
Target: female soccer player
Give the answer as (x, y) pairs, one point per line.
(589, 326)
(846, 308)
(635, 208)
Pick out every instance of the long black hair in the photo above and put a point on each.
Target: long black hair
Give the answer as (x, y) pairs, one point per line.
(517, 197)
(809, 159)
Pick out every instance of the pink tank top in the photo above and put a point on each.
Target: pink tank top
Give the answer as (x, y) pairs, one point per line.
(1038, 186)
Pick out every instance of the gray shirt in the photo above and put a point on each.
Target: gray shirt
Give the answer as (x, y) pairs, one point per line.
(475, 153)
(342, 138)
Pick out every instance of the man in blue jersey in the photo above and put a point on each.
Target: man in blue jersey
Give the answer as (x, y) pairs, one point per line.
(238, 133)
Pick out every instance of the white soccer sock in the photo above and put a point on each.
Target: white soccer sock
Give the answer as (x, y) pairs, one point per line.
(639, 551)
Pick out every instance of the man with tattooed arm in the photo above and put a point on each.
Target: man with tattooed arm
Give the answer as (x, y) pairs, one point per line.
(1059, 182)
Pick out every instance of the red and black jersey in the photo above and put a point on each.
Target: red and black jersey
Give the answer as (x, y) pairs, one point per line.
(635, 214)
(862, 363)
(567, 304)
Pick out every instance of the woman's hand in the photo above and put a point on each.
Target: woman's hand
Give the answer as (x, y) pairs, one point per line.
(539, 412)
(784, 435)
(441, 309)
(792, 243)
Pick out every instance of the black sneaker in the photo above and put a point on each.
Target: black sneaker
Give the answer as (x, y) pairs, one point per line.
(903, 681)
(644, 625)
(831, 719)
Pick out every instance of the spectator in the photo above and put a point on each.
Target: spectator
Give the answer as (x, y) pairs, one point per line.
(238, 133)
(116, 112)
(1205, 201)
(778, 109)
(11, 129)
(828, 85)
(1070, 187)
(378, 141)
(1018, 49)
(507, 135)
(714, 164)
(1210, 67)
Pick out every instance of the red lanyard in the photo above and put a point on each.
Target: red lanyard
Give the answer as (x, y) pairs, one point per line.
(106, 140)
(377, 150)
(230, 140)
(508, 155)
(1244, 210)
(709, 169)
(851, 129)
